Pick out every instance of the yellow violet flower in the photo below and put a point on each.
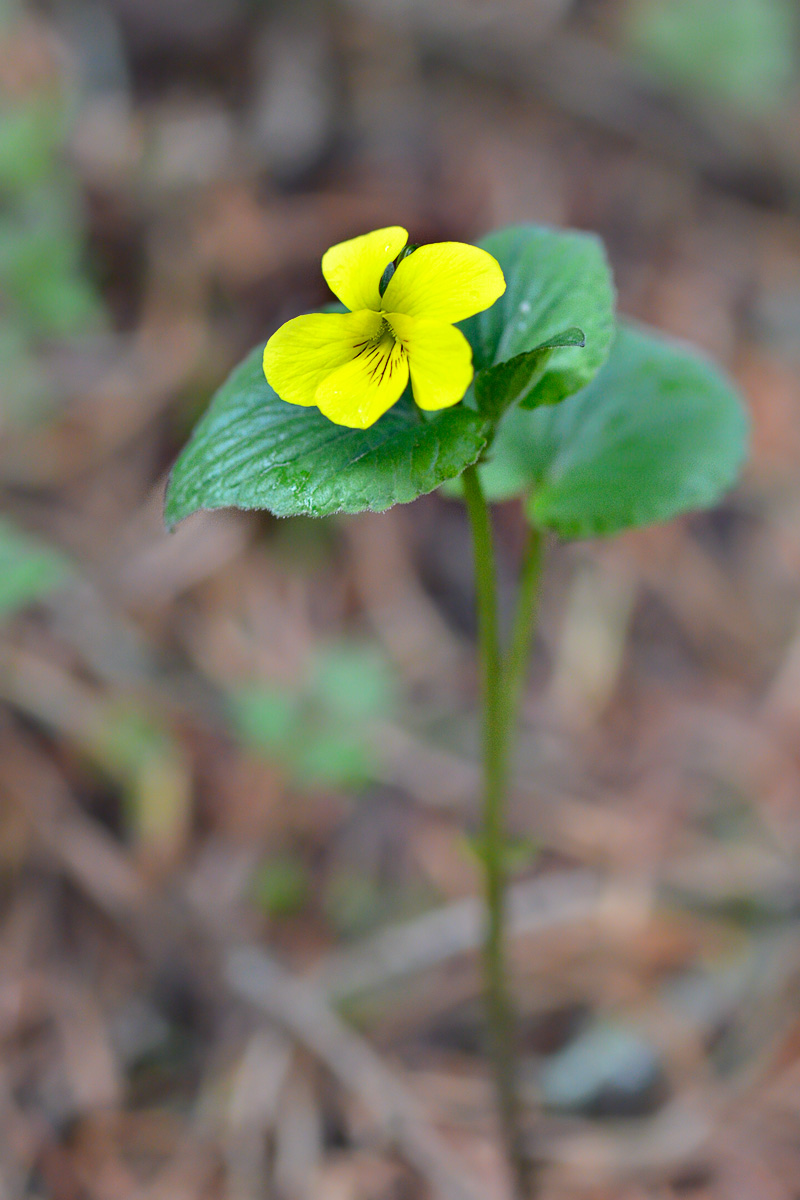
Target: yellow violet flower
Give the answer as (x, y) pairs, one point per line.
(354, 366)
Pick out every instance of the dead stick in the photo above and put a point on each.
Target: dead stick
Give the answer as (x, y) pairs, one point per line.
(298, 1008)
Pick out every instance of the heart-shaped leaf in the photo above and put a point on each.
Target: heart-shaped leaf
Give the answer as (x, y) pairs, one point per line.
(253, 450)
(659, 431)
(499, 388)
(555, 280)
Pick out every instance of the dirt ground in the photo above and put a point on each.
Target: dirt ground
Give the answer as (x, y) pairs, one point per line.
(238, 780)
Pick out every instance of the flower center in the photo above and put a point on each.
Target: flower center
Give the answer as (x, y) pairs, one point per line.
(380, 343)
(382, 352)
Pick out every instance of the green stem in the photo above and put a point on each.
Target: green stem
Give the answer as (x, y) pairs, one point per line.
(502, 688)
(527, 611)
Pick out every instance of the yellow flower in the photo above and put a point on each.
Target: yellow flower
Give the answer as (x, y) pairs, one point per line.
(355, 365)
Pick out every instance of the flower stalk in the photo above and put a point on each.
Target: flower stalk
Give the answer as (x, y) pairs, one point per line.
(502, 684)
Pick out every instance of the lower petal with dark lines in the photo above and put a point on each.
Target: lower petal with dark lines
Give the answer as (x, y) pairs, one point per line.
(362, 390)
(307, 349)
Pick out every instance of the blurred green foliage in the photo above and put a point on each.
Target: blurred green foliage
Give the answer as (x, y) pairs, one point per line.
(31, 135)
(319, 731)
(282, 885)
(743, 52)
(131, 739)
(29, 570)
(357, 902)
(45, 292)
(41, 270)
(142, 754)
(354, 680)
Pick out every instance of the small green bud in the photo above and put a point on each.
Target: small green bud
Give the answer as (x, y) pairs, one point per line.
(404, 253)
(385, 277)
(392, 267)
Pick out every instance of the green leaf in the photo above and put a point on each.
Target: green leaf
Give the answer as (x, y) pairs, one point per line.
(499, 388)
(658, 432)
(555, 281)
(252, 450)
(29, 571)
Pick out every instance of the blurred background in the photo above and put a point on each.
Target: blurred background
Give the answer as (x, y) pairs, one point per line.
(238, 923)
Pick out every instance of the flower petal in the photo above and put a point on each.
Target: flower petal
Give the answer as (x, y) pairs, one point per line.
(359, 392)
(439, 359)
(302, 352)
(353, 269)
(444, 281)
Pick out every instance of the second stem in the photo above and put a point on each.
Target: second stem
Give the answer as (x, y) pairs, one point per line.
(502, 682)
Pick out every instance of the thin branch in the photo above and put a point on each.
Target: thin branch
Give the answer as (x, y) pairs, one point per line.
(304, 1012)
(425, 942)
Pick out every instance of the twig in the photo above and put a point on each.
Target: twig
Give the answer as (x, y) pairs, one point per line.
(297, 1007)
(428, 941)
(78, 844)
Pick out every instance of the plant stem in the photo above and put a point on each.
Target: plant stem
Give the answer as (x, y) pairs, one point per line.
(502, 687)
(527, 611)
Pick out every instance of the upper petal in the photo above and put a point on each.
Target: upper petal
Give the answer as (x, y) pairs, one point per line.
(439, 359)
(302, 352)
(359, 392)
(353, 269)
(444, 281)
